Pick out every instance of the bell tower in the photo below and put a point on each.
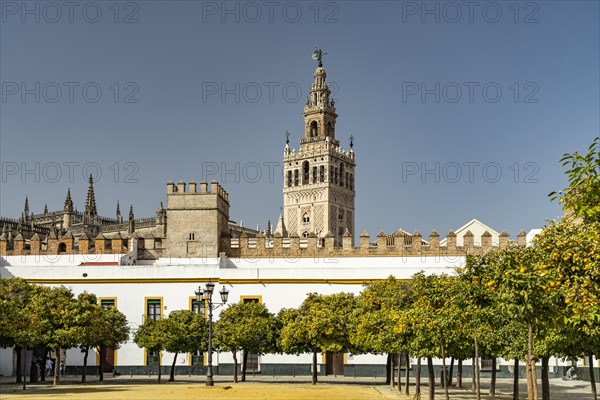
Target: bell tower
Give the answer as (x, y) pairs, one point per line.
(318, 187)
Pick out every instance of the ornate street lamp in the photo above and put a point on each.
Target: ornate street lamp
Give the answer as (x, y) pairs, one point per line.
(206, 296)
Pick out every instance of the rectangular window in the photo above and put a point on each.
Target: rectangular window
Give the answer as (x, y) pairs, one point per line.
(198, 357)
(107, 303)
(152, 357)
(153, 309)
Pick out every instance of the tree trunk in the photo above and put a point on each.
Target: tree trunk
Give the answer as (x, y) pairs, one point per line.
(159, 369)
(19, 364)
(534, 379)
(387, 370)
(459, 371)
(235, 366)
(592, 378)
(391, 378)
(43, 366)
(451, 371)
(545, 379)
(418, 379)
(399, 372)
(407, 389)
(85, 356)
(473, 386)
(102, 356)
(431, 378)
(314, 371)
(528, 376)
(477, 377)
(444, 372)
(393, 372)
(57, 368)
(532, 384)
(516, 380)
(244, 364)
(172, 375)
(493, 380)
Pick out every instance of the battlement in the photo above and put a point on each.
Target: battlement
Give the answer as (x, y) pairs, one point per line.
(193, 188)
(398, 244)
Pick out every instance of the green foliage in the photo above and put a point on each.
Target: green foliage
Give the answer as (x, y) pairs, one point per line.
(583, 194)
(187, 332)
(247, 326)
(321, 322)
(377, 324)
(152, 334)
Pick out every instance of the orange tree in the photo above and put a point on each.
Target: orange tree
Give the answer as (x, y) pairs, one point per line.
(571, 249)
(320, 324)
(525, 289)
(436, 319)
(375, 322)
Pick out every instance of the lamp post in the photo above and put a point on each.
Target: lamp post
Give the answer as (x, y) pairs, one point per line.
(206, 296)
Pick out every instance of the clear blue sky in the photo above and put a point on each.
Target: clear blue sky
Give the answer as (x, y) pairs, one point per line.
(417, 85)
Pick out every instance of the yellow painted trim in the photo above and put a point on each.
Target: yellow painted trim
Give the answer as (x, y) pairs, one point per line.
(146, 357)
(345, 358)
(255, 296)
(214, 280)
(146, 305)
(324, 357)
(107, 298)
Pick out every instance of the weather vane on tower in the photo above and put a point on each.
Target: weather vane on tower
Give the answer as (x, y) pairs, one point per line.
(317, 55)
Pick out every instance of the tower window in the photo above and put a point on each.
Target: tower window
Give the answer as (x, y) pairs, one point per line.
(191, 236)
(329, 129)
(351, 182)
(335, 176)
(313, 129)
(322, 174)
(314, 177)
(341, 174)
(305, 172)
(295, 177)
(289, 178)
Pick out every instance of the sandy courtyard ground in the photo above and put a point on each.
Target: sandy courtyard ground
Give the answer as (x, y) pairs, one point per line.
(267, 388)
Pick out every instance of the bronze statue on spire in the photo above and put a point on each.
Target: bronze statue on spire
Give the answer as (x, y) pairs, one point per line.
(317, 55)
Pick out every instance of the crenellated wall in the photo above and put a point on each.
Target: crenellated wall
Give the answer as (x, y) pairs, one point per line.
(397, 244)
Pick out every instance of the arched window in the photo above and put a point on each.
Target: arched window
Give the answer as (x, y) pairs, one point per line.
(305, 172)
(62, 248)
(305, 220)
(313, 129)
(322, 174)
(191, 236)
(289, 178)
(314, 177)
(341, 174)
(295, 177)
(329, 131)
(304, 234)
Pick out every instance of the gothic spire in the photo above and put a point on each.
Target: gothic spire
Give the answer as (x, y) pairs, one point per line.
(26, 208)
(90, 202)
(131, 212)
(45, 208)
(118, 213)
(68, 202)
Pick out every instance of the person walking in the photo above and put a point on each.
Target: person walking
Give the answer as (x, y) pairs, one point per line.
(48, 367)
